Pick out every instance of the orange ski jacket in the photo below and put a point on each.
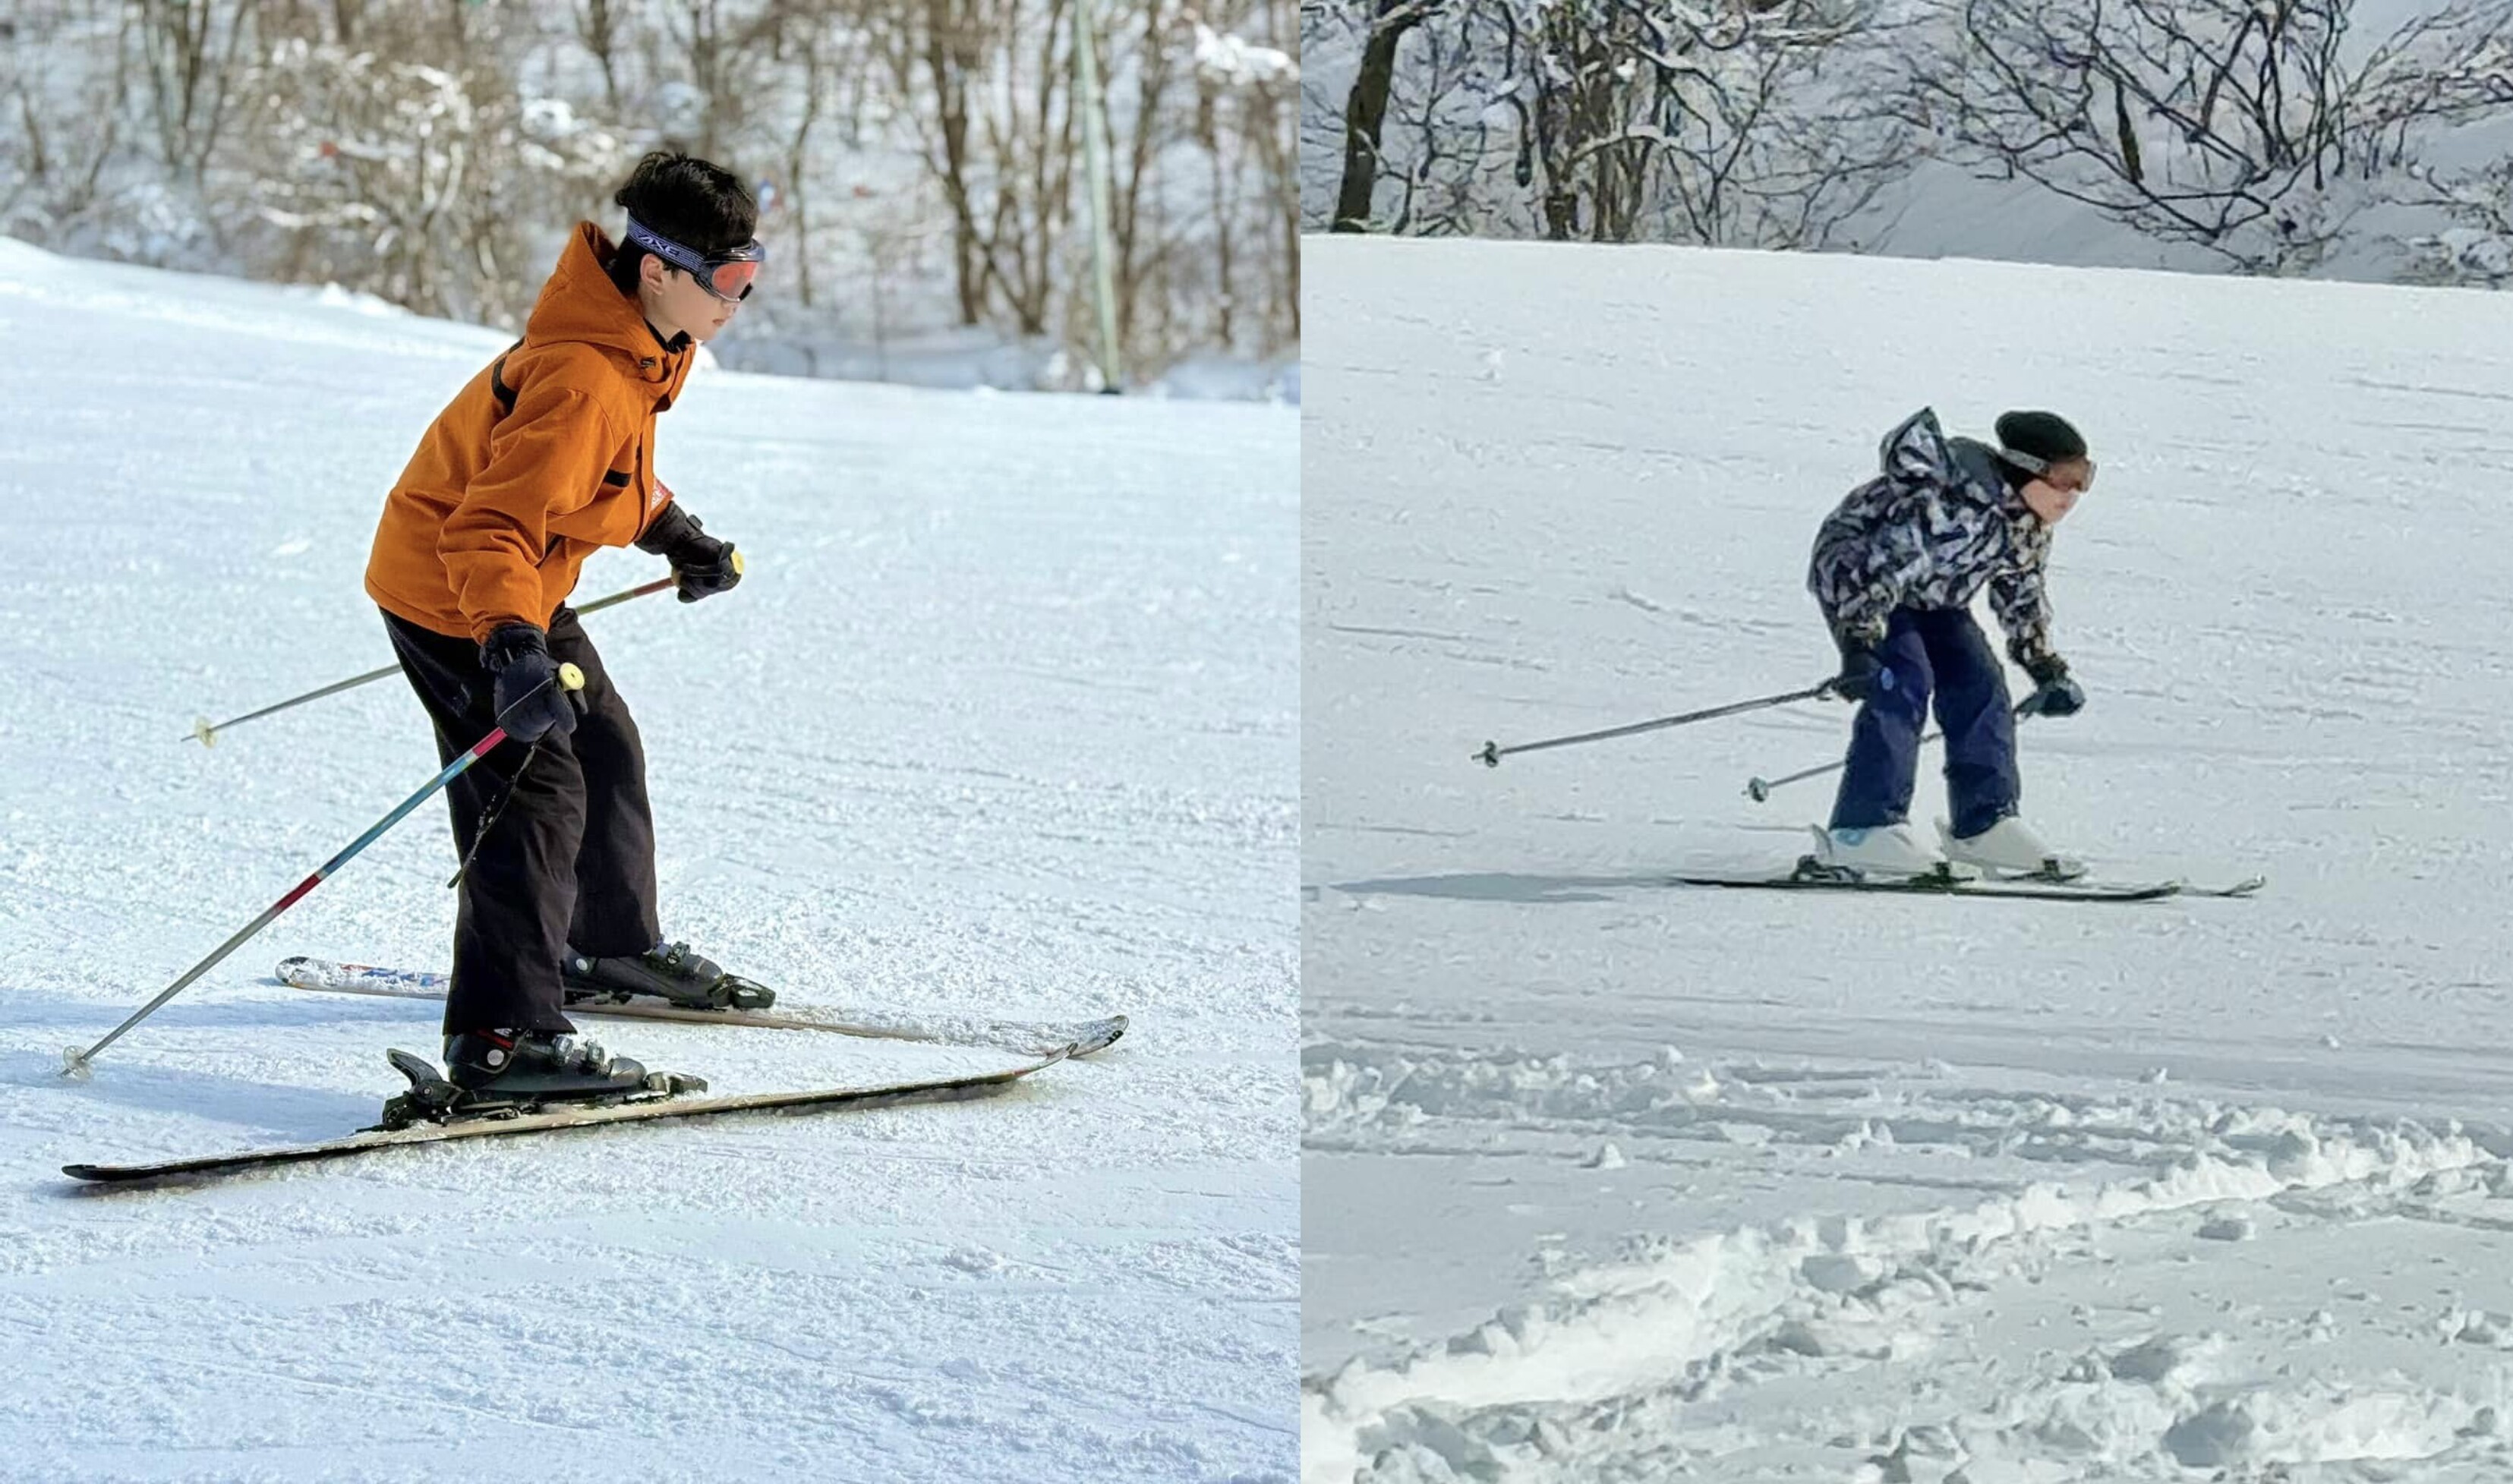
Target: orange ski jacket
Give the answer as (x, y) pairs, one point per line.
(543, 457)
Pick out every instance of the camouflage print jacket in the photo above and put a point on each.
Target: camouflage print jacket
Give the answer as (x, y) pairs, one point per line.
(1936, 527)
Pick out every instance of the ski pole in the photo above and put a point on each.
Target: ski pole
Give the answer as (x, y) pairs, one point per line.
(208, 734)
(74, 1063)
(1760, 789)
(1494, 752)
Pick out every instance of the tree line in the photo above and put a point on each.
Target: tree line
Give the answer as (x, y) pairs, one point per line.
(2264, 132)
(919, 162)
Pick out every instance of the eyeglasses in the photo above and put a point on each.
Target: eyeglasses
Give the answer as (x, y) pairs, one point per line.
(2041, 468)
(728, 276)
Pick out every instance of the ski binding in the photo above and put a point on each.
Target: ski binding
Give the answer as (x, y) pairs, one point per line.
(433, 1098)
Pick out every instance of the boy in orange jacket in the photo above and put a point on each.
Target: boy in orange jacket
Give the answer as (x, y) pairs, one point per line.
(545, 457)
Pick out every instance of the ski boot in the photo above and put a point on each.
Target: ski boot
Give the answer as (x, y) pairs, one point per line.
(501, 1074)
(2010, 848)
(1885, 851)
(669, 972)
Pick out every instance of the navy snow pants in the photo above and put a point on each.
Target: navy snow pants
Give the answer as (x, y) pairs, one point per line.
(1939, 654)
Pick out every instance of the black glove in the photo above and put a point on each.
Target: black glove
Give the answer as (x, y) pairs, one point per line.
(530, 704)
(1862, 673)
(703, 565)
(2054, 693)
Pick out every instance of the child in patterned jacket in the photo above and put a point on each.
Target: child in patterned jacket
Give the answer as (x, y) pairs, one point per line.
(1895, 569)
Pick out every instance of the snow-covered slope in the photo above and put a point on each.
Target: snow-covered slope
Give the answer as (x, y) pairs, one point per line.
(1000, 724)
(1612, 1180)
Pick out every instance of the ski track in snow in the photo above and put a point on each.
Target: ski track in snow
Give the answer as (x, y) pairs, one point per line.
(1606, 1180)
(1000, 726)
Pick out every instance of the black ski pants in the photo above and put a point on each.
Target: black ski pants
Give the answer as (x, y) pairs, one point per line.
(569, 860)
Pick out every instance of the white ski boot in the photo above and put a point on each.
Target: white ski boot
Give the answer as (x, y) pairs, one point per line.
(1885, 851)
(2010, 848)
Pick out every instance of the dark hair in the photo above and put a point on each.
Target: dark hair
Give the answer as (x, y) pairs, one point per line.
(702, 206)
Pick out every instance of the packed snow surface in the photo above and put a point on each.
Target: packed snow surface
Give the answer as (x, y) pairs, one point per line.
(1000, 725)
(1607, 1179)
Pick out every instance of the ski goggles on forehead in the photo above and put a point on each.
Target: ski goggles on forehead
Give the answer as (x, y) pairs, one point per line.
(2041, 468)
(726, 275)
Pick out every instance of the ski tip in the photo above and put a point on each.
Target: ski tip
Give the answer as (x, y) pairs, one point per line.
(1082, 1038)
(298, 972)
(125, 1177)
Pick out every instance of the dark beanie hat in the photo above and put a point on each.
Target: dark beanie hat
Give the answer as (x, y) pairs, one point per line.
(2046, 436)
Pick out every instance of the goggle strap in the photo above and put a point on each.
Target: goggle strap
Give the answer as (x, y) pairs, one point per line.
(2036, 466)
(690, 260)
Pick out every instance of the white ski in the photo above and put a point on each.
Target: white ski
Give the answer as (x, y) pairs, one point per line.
(1035, 1037)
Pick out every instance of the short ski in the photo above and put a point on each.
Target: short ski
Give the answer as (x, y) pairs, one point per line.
(2049, 885)
(556, 1118)
(1034, 1036)
(1943, 886)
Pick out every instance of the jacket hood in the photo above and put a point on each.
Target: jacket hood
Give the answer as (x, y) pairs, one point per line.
(580, 304)
(1994, 475)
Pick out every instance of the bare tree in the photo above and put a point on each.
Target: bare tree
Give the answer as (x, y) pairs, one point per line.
(67, 129)
(1035, 143)
(1738, 122)
(412, 180)
(1141, 253)
(2475, 246)
(936, 47)
(1364, 109)
(1277, 142)
(598, 26)
(798, 155)
(1241, 92)
(2229, 123)
(1742, 123)
(430, 151)
(1440, 166)
(190, 51)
